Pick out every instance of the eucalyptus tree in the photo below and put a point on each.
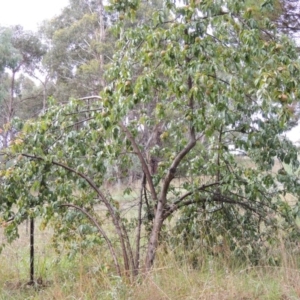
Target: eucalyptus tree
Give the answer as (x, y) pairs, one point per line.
(77, 52)
(199, 79)
(288, 19)
(20, 52)
(81, 43)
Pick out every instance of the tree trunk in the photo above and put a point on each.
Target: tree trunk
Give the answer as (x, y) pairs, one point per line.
(154, 236)
(101, 39)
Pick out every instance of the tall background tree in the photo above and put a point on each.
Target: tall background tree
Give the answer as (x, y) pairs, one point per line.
(77, 49)
(20, 54)
(288, 17)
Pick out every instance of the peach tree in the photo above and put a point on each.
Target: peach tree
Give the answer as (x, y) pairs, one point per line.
(184, 88)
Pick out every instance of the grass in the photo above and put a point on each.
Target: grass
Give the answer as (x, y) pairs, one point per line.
(87, 276)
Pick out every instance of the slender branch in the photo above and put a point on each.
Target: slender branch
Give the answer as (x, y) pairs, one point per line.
(201, 188)
(28, 98)
(215, 198)
(139, 226)
(113, 214)
(111, 249)
(191, 144)
(232, 201)
(129, 248)
(90, 97)
(142, 160)
(79, 122)
(84, 111)
(218, 159)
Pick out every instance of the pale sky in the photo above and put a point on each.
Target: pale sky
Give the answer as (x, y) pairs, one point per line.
(29, 13)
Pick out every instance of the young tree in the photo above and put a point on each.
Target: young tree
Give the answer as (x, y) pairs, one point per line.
(183, 88)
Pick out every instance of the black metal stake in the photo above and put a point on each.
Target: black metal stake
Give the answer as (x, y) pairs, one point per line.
(32, 250)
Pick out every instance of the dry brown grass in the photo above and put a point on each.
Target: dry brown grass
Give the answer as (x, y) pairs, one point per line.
(87, 277)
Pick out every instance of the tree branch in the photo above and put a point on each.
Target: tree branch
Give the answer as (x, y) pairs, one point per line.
(114, 215)
(142, 160)
(139, 226)
(215, 198)
(191, 144)
(111, 249)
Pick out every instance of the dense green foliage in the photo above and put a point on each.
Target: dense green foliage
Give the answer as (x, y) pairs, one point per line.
(184, 87)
